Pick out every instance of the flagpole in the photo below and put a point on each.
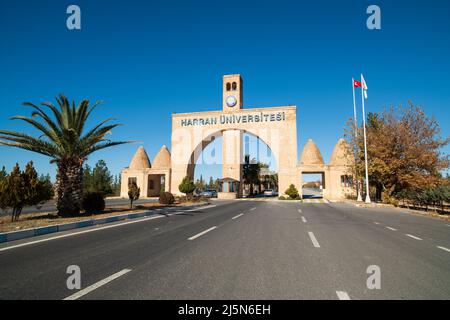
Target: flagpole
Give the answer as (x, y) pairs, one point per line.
(359, 199)
(363, 84)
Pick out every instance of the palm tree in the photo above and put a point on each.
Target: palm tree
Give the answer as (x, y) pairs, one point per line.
(65, 141)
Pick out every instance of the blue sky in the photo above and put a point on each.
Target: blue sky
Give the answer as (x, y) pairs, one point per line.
(147, 59)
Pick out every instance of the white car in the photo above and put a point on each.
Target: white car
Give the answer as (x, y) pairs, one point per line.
(269, 193)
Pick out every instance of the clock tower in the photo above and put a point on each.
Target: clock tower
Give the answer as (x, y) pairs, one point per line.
(232, 93)
(232, 152)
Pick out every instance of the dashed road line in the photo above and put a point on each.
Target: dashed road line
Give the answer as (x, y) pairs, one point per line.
(97, 285)
(377, 223)
(252, 209)
(238, 216)
(314, 240)
(304, 220)
(390, 228)
(299, 210)
(202, 233)
(443, 248)
(342, 295)
(414, 237)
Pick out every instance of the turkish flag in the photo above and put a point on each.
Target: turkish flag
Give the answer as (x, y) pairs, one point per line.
(356, 84)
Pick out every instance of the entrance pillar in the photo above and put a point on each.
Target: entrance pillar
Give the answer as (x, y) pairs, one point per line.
(232, 155)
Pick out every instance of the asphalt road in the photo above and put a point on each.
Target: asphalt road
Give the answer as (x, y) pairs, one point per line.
(51, 206)
(240, 250)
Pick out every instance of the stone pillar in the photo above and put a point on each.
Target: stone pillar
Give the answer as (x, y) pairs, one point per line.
(232, 157)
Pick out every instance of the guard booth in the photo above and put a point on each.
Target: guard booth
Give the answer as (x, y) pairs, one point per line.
(228, 188)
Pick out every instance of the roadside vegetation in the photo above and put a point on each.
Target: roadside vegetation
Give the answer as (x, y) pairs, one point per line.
(405, 161)
(64, 139)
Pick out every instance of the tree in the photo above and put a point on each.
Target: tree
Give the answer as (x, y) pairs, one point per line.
(250, 172)
(187, 186)
(403, 147)
(116, 185)
(102, 178)
(133, 193)
(292, 192)
(22, 189)
(64, 139)
(3, 174)
(200, 184)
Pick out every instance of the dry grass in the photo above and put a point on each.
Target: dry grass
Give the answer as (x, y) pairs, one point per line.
(43, 219)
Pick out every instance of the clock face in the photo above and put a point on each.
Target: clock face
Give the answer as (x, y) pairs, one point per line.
(231, 101)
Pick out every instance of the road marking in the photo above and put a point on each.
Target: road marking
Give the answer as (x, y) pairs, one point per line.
(342, 295)
(97, 285)
(80, 232)
(253, 209)
(304, 220)
(299, 210)
(390, 228)
(414, 237)
(377, 223)
(239, 215)
(202, 233)
(314, 240)
(100, 228)
(444, 248)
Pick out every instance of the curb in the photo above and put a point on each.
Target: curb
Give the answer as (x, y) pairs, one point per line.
(29, 233)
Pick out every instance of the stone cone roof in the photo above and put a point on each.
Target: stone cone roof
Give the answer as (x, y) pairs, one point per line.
(162, 159)
(140, 160)
(342, 155)
(311, 154)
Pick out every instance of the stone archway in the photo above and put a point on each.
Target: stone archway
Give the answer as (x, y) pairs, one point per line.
(276, 127)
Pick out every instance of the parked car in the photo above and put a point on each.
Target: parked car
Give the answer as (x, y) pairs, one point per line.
(270, 193)
(209, 193)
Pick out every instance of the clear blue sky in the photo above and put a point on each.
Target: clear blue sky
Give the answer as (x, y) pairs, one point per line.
(147, 59)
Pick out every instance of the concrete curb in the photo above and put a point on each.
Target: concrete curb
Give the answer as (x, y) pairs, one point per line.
(29, 233)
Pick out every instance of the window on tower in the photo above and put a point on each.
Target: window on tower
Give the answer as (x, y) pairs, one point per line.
(228, 86)
(234, 86)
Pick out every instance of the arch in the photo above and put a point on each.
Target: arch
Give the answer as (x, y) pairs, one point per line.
(198, 149)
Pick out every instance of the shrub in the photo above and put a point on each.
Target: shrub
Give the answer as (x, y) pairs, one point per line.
(166, 198)
(187, 186)
(93, 202)
(292, 192)
(282, 198)
(133, 193)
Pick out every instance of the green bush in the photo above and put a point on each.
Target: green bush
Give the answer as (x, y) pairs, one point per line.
(187, 186)
(166, 198)
(93, 202)
(292, 192)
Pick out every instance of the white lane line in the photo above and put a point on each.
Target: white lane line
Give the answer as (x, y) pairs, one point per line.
(443, 248)
(377, 223)
(253, 209)
(342, 295)
(97, 285)
(314, 240)
(238, 216)
(199, 208)
(299, 210)
(390, 228)
(414, 237)
(80, 232)
(202, 233)
(304, 220)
